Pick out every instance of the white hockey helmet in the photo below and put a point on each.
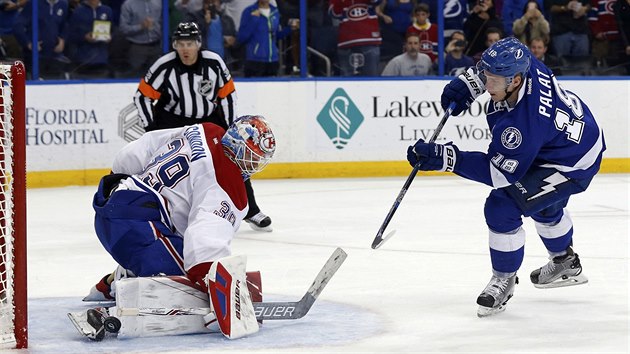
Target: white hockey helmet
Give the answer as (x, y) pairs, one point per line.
(250, 143)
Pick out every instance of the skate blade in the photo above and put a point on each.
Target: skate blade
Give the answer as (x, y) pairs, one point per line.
(80, 322)
(483, 311)
(560, 283)
(258, 228)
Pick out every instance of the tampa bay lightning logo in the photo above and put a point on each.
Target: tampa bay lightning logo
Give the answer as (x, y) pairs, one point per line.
(519, 54)
(453, 8)
(511, 138)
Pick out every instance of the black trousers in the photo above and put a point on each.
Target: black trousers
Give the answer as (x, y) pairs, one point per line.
(251, 200)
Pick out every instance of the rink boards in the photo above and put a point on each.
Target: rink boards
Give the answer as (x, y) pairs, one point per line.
(323, 128)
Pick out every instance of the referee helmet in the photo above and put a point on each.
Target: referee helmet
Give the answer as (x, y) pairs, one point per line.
(187, 31)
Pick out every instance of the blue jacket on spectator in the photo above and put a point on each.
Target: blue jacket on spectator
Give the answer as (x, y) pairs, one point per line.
(53, 16)
(260, 34)
(81, 23)
(7, 19)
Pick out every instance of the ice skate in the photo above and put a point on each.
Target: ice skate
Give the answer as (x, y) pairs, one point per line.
(560, 271)
(495, 296)
(260, 222)
(94, 323)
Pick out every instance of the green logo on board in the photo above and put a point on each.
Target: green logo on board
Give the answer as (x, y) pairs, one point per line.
(340, 118)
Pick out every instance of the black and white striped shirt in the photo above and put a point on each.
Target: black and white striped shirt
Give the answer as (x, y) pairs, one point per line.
(186, 94)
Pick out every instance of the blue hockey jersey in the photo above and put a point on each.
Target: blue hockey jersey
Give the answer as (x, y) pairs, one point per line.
(547, 127)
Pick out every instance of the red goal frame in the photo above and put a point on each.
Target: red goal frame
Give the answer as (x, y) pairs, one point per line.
(19, 282)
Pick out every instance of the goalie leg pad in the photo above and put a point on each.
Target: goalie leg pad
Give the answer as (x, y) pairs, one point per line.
(230, 298)
(139, 301)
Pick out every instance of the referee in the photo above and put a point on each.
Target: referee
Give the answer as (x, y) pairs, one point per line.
(189, 86)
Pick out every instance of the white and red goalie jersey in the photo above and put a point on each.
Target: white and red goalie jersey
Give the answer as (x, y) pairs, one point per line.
(202, 191)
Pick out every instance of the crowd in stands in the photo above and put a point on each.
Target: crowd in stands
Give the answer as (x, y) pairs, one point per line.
(85, 39)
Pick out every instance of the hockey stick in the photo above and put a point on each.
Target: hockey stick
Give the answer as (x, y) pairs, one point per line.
(379, 239)
(263, 310)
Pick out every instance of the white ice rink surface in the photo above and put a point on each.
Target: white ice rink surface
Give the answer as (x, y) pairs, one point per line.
(415, 294)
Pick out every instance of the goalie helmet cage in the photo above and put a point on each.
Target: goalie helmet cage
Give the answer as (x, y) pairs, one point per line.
(13, 303)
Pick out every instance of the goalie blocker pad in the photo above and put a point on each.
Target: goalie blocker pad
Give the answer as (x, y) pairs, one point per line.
(230, 298)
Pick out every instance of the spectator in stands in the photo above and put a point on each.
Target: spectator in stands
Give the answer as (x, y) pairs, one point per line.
(260, 31)
(513, 10)
(498, 7)
(411, 62)
(569, 30)
(456, 62)
(606, 42)
(426, 30)
(315, 13)
(455, 14)
(141, 24)
(89, 35)
(481, 17)
(218, 29)
(531, 25)
(394, 19)
(492, 35)
(321, 28)
(188, 7)
(455, 36)
(52, 20)
(115, 5)
(234, 9)
(538, 47)
(118, 46)
(359, 38)
(289, 13)
(9, 46)
(622, 13)
(72, 5)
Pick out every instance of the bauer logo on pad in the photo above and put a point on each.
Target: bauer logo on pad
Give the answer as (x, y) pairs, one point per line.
(340, 118)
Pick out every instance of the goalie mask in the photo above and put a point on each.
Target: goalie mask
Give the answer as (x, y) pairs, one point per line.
(250, 143)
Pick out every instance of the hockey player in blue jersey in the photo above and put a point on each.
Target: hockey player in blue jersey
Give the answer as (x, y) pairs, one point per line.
(546, 146)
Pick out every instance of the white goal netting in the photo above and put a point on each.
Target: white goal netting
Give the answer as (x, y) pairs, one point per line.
(7, 291)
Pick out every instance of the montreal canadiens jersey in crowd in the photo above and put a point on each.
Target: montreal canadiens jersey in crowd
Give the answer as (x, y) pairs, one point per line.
(203, 193)
(359, 23)
(548, 127)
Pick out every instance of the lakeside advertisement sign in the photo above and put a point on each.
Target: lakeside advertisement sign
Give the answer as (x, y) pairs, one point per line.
(82, 126)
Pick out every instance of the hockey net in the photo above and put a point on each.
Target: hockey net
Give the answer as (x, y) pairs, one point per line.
(13, 310)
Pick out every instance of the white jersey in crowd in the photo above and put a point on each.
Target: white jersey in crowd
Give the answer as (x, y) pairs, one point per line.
(202, 191)
(406, 65)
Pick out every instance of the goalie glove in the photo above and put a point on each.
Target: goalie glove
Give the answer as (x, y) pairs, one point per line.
(432, 156)
(463, 90)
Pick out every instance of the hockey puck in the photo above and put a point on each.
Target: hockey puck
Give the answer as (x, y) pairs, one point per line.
(112, 324)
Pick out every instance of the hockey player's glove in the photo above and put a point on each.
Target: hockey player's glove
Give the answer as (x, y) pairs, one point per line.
(432, 156)
(463, 90)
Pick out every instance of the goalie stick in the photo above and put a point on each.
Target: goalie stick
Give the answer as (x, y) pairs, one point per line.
(263, 310)
(379, 239)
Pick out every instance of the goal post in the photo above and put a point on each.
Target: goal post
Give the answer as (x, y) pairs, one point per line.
(13, 298)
